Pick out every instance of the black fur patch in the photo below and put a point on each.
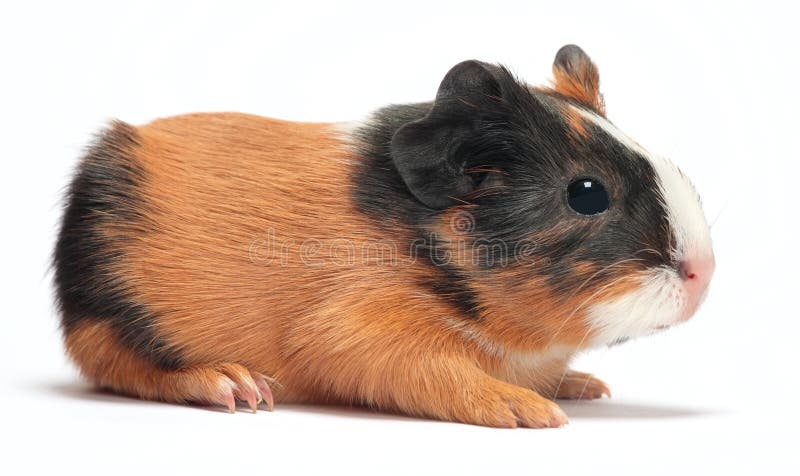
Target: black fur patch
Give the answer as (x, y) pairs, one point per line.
(382, 194)
(447, 281)
(524, 136)
(103, 194)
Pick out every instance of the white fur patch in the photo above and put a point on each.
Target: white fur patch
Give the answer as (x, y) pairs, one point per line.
(684, 211)
(536, 360)
(660, 298)
(656, 304)
(347, 129)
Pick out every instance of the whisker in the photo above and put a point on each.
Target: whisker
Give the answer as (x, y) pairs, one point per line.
(651, 250)
(594, 294)
(616, 263)
(597, 273)
(718, 214)
(591, 326)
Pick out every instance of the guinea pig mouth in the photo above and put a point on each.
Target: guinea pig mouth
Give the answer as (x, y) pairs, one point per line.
(624, 339)
(618, 341)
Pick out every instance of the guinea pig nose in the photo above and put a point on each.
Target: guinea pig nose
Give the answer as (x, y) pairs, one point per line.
(686, 270)
(696, 271)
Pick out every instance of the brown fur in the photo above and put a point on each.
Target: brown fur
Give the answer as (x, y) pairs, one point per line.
(334, 327)
(575, 122)
(581, 83)
(109, 364)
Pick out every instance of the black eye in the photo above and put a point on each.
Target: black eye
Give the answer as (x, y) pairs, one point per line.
(587, 197)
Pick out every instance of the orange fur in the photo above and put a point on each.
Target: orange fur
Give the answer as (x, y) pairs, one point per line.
(109, 364)
(232, 201)
(575, 122)
(581, 83)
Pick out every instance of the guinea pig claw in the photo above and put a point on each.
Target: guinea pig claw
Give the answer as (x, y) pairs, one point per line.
(230, 403)
(245, 394)
(245, 386)
(252, 402)
(265, 390)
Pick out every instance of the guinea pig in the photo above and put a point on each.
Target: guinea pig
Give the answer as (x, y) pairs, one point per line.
(442, 260)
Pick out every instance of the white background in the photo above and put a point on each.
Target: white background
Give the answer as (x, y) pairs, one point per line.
(714, 86)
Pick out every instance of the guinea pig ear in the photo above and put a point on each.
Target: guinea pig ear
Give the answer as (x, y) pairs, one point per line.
(576, 76)
(425, 151)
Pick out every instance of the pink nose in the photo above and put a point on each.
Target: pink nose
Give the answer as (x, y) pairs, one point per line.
(696, 273)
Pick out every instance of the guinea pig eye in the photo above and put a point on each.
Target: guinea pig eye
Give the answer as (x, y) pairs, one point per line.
(587, 196)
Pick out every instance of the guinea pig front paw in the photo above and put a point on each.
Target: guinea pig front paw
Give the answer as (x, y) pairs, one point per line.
(581, 386)
(508, 406)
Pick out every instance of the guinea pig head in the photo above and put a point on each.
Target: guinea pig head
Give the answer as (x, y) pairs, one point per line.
(563, 228)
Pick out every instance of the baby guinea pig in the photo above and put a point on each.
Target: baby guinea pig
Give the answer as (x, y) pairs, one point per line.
(443, 259)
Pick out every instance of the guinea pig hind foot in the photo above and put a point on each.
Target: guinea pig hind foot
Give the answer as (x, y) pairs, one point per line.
(109, 364)
(216, 385)
(224, 384)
